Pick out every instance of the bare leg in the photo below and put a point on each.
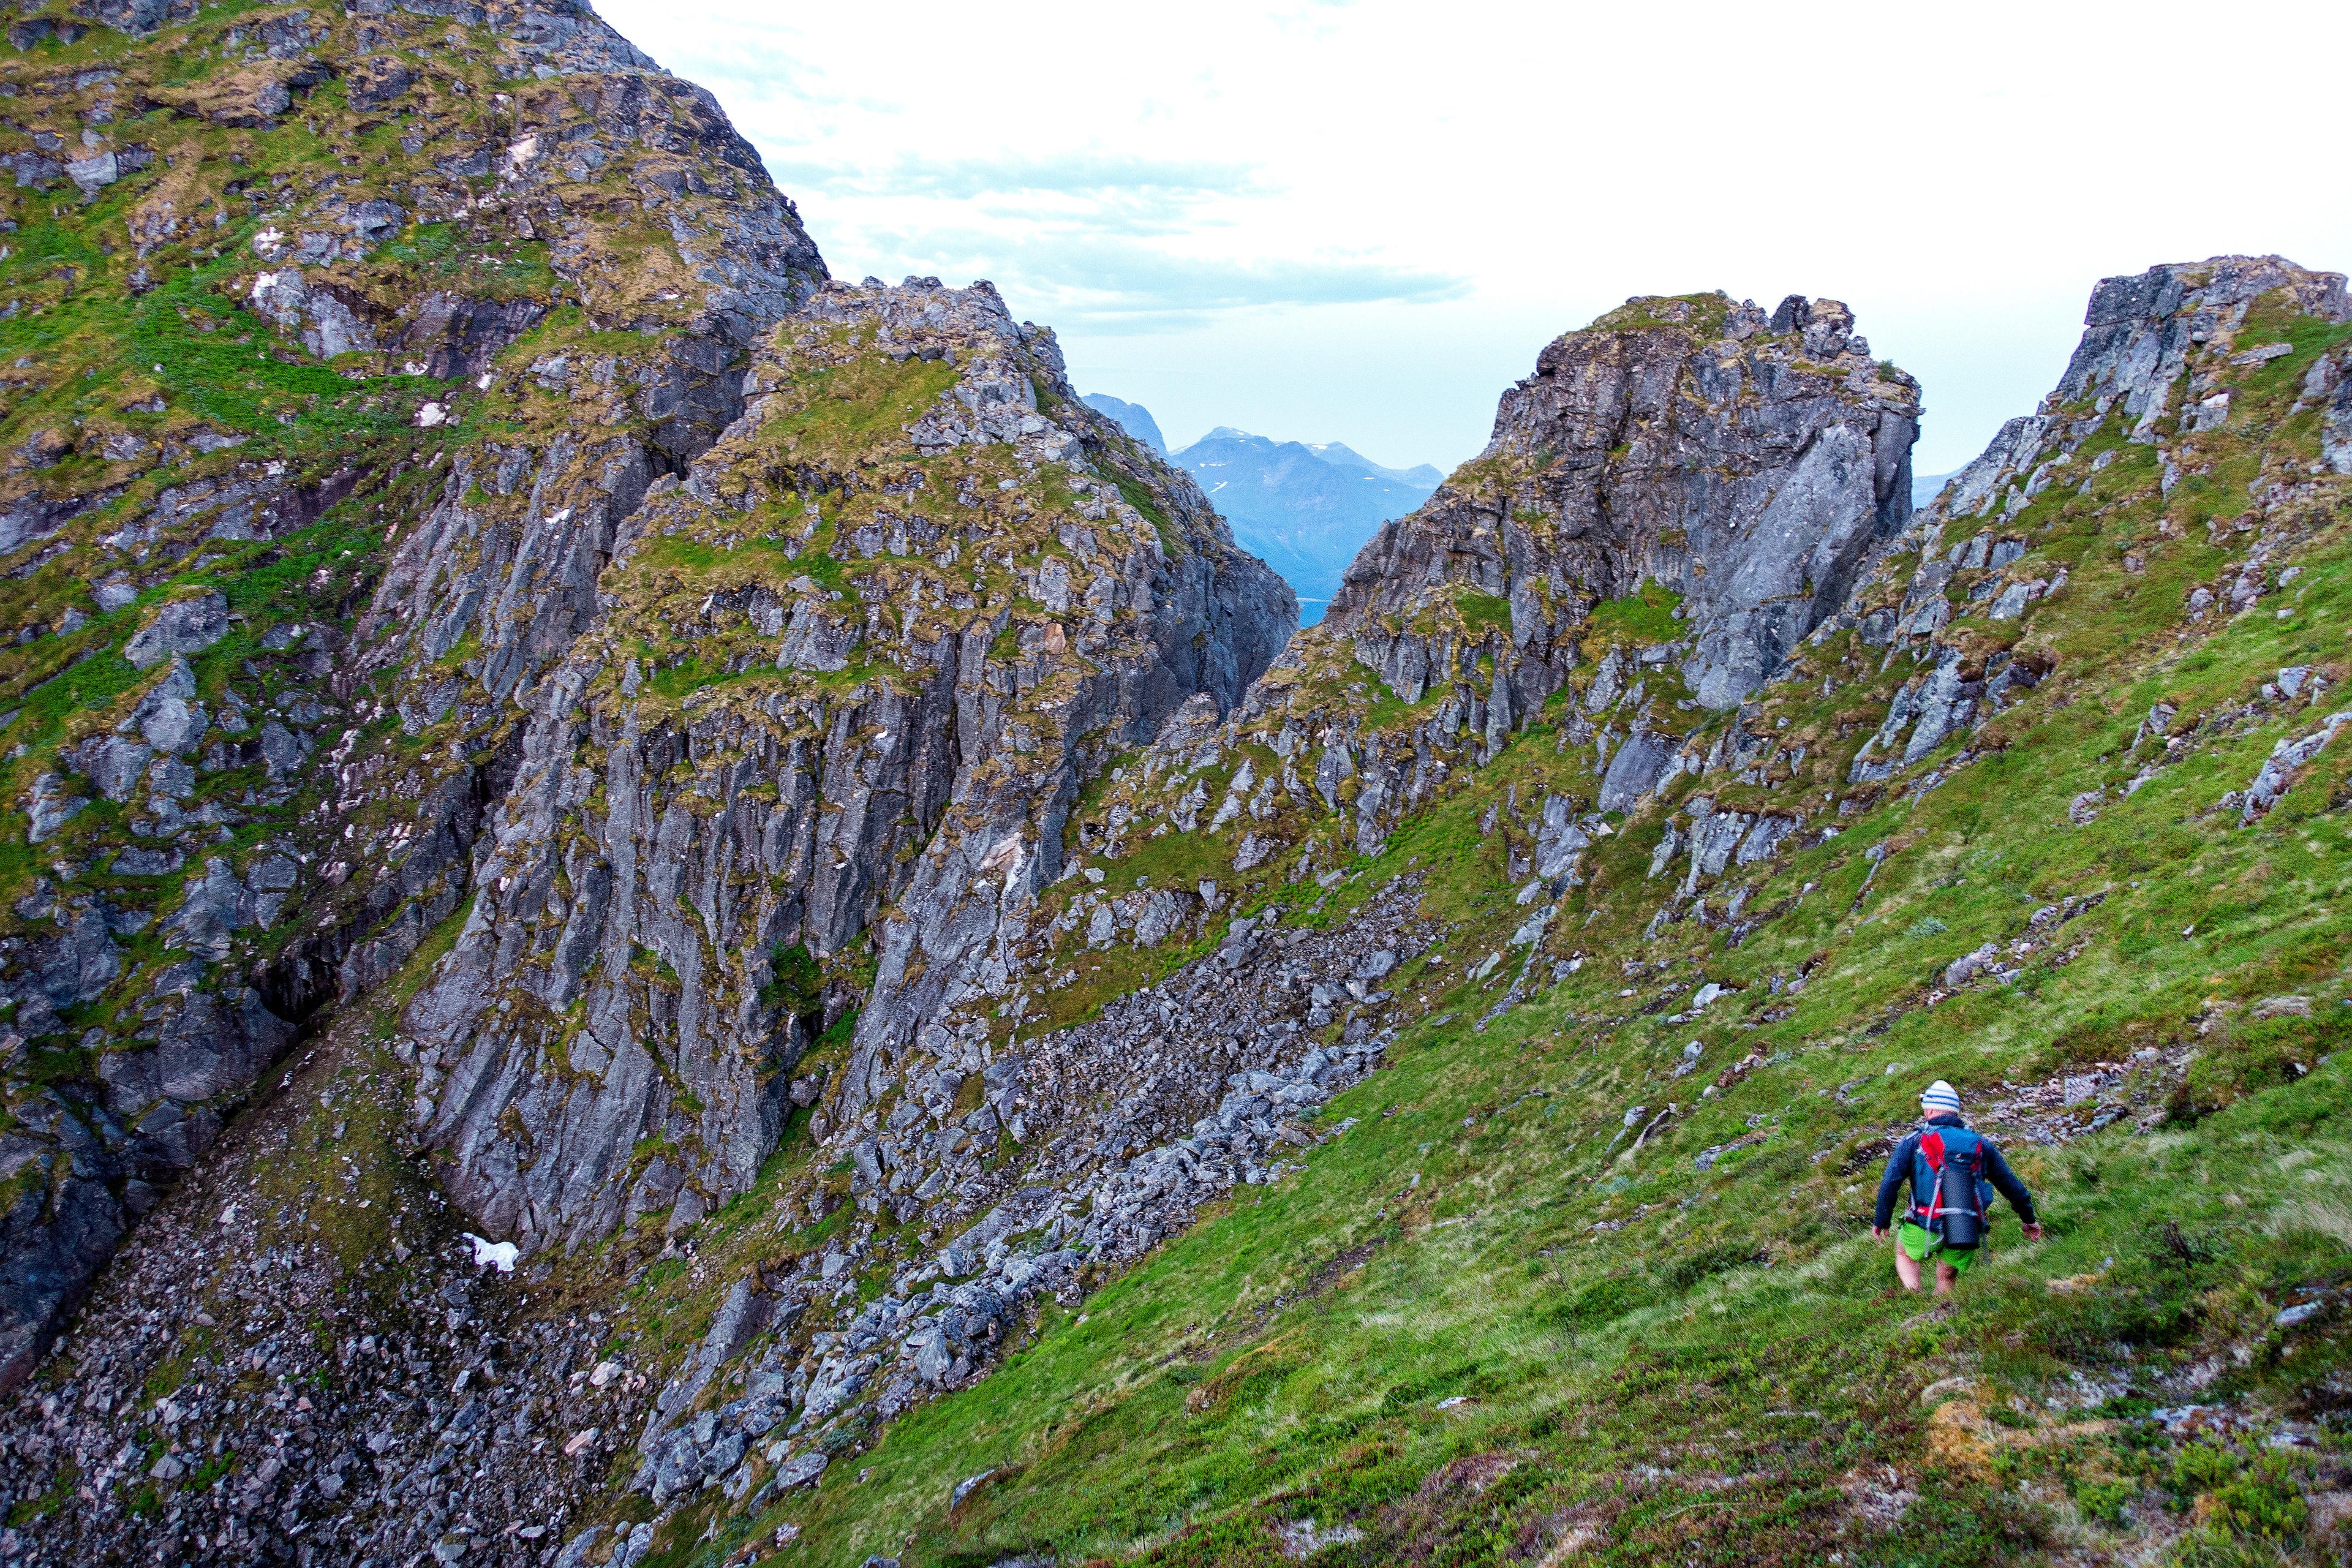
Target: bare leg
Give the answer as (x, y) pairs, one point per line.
(1906, 1268)
(1945, 1277)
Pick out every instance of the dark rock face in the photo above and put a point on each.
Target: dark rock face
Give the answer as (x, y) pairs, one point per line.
(1683, 491)
(1176, 1095)
(489, 574)
(2138, 335)
(2142, 336)
(797, 765)
(505, 697)
(1746, 462)
(61, 1225)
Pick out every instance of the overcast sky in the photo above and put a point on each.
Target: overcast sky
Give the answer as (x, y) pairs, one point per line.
(1359, 222)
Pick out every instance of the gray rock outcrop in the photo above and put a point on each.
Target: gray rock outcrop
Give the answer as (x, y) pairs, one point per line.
(2138, 334)
(1746, 462)
(794, 763)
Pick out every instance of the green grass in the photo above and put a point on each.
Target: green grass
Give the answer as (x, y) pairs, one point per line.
(691, 675)
(1483, 612)
(1643, 618)
(1172, 538)
(1617, 1325)
(1177, 1419)
(190, 338)
(1699, 316)
(860, 406)
(436, 254)
(25, 1510)
(797, 985)
(1104, 978)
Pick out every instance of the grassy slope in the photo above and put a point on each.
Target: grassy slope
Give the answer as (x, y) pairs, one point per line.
(1662, 1363)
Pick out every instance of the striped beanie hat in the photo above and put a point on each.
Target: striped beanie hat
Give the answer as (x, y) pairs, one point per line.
(1941, 1098)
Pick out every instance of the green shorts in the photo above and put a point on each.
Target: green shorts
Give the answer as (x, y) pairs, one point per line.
(1919, 1244)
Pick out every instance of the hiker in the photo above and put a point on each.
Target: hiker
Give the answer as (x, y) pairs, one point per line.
(1953, 1171)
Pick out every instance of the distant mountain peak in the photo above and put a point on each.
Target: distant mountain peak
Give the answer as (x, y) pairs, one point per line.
(1305, 508)
(1423, 476)
(1132, 418)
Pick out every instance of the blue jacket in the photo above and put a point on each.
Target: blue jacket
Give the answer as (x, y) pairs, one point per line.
(1901, 1164)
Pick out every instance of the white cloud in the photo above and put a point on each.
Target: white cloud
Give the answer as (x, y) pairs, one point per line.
(1360, 221)
(1119, 183)
(1077, 277)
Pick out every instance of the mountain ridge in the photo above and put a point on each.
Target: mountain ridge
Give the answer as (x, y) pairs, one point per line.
(1422, 474)
(1281, 500)
(1953, 645)
(663, 909)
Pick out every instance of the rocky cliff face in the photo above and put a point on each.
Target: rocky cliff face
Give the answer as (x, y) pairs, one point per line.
(420, 518)
(1745, 462)
(303, 344)
(852, 669)
(1827, 665)
(310, 621)
(1308, 770)
(1690, 439)
(1043, 1109)
(1311, 773)
(2153, 369)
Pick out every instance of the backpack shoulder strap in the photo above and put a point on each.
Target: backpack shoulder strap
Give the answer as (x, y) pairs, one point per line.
(1927, 1160)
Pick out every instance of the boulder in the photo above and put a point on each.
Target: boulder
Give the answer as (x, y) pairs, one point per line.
(179, 627)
